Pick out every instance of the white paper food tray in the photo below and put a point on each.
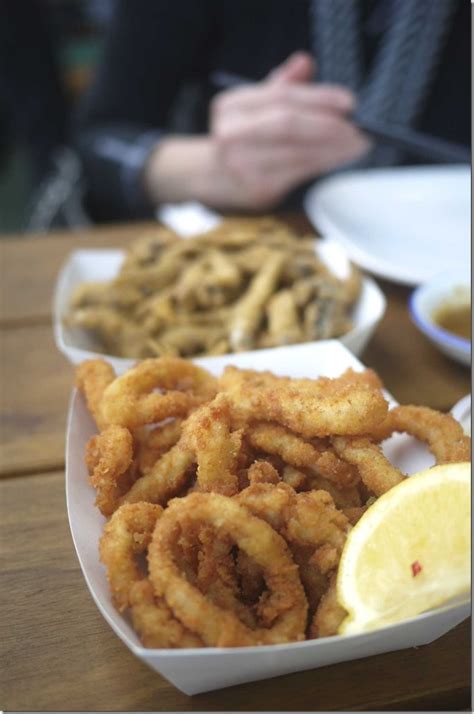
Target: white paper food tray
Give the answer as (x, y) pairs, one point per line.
(103, 265)
(200, 670)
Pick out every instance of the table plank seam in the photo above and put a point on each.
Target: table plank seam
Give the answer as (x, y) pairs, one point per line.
(12, 323)
(31, 471)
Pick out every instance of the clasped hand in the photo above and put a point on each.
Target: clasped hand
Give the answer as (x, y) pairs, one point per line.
(264, 140)
(272, 136)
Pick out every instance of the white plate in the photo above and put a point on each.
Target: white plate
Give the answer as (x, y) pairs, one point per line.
(406, 224)
(453, 286)
(102, 265)
(200, 670)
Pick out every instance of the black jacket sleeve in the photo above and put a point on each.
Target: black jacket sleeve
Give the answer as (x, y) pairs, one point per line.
(152, 49)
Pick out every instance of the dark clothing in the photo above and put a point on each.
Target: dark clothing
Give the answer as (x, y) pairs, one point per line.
(155, 49)
(31, 95)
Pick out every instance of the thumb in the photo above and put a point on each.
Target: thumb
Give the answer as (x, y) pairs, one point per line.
(298, 67)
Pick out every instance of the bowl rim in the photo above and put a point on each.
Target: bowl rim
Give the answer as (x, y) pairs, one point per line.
(426, 325)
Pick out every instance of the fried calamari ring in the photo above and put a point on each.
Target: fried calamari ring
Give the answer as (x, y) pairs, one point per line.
(315, 584)
(367, 376)
(263, 472)
(314, 520)
(217, 576)
(375, 470)
(295, 478)
(313, 527)
(310, 408)
(109, 459)
(252, 583)
(329, 614)
(354, 513)
(207, 432)
(131, 400)
(269, 502)
(206, 440)
(92, 379)
(441, 432)
(155, 623)
(295, 451)
(443, 435)
(127, 534)
(152, 444)
(304, 519)
(216, 626)
(165, 479)
(307, 480)
(343, 497)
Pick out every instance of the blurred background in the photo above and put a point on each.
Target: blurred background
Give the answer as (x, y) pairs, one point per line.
(48, 51)
(156, 54)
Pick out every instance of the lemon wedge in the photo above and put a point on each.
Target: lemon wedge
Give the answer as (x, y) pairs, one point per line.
(409, 552)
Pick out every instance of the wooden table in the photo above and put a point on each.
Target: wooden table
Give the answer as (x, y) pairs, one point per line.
(58, 652)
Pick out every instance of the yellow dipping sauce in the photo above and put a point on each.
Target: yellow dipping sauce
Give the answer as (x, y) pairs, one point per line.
(455, 319)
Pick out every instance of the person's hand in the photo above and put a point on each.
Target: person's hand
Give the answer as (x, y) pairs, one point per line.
(272, 136)
(265, 139)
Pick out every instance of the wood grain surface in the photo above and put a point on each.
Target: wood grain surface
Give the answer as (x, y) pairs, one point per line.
(36, 386)
(57, 651)
(30, 266)
(412, 368)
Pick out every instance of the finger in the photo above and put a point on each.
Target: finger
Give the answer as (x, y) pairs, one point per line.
(324, 97)
(283, 125)
(298, 67)
(268, 177)
(272, 174)
(260, 161)
(264, 173)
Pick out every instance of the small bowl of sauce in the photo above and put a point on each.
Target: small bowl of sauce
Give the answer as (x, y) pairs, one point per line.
(454, 317)
(441, 309)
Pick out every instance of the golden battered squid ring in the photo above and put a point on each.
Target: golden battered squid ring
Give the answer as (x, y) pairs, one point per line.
(443, 435)
(125, 536)
(218, 577)
(218, 627)
(109, 460)
(92, 379)
(308, 408)
(131, 400)
(216, 447)
(155, 623)
(206, 440)
(152, 444)
(376, 471)
(304, 519)
(316, 532)
(295, 451)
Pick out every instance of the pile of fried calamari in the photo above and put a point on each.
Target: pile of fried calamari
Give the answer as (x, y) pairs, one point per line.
(240, 491)
(246, 284)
